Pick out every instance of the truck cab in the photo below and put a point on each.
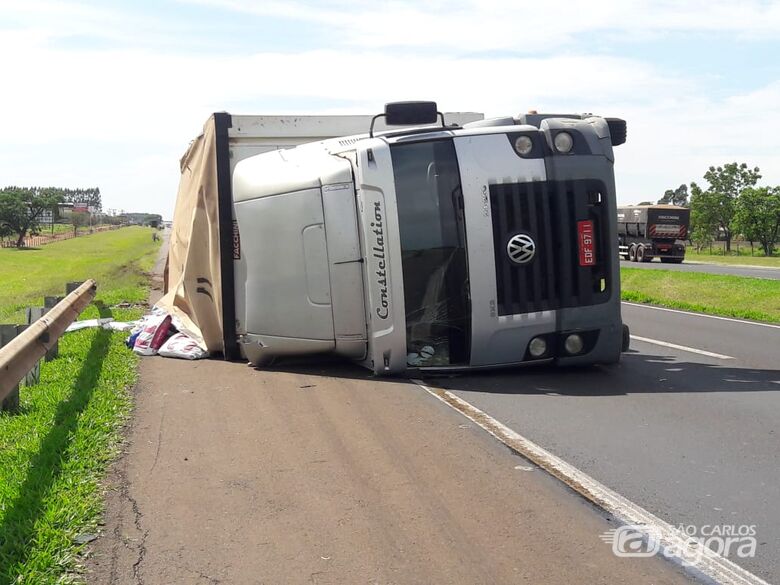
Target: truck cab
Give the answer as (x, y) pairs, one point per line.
(435, 247)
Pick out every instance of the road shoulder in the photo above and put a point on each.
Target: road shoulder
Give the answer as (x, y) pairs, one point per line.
(322, 475)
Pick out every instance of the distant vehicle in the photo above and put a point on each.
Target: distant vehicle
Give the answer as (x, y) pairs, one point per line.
(439, 247)
(653, 231)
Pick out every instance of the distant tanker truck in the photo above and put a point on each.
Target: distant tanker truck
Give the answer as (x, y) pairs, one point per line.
(653, 231)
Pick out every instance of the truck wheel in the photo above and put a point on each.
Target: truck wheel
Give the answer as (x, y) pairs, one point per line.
(632, 253)
(640, 254)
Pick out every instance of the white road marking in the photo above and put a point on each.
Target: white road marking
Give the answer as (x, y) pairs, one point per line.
(719, 356)
(748, 266)
(628, 264)
(700, 561)
(744, 321)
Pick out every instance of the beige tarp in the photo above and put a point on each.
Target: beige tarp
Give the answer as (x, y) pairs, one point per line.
(193, 287)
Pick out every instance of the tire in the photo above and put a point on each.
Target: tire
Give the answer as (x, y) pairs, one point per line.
(640, 254)
(632, 253)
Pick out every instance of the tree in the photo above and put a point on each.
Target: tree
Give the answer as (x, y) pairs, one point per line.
(4, 229)
(717, 205)
(11, 206)
(89, 195)
(645, 203)
(702, 224)
(677, 197)
(701, 237)
(757, 216)
(21, 209)
(78, 219)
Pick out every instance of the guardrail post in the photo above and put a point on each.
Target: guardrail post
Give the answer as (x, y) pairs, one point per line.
(34, 375)
(11, 402)
(48, 303)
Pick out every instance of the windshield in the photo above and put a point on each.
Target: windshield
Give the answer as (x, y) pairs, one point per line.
(433, 252)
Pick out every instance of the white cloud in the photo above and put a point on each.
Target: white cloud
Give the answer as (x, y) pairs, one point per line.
(138, 108)
(524, 25)
(120, 95)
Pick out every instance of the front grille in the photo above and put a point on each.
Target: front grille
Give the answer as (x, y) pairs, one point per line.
(548, 211)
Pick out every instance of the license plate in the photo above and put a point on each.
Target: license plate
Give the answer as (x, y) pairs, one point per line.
(587, 243)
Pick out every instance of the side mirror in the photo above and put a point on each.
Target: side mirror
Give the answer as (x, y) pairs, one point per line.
(411, 113)
(617, 130)
(408, 114)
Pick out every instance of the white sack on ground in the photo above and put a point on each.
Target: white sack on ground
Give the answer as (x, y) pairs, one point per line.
(154, 333)
(182, 346)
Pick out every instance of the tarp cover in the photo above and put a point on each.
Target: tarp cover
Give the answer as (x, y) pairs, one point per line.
(194, 295)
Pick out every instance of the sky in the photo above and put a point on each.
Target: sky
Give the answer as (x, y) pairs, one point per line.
(110, 93)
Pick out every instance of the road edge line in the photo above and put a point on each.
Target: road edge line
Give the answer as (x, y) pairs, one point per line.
(668, 344)
(756, 266)
(709, 566)
(694, 314)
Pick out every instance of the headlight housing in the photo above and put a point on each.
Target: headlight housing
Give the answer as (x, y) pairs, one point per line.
(573, 344)
(537, 347)
(524, 145)
(563, 142)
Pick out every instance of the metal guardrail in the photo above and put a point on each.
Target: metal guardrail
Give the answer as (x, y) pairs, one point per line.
(21, 354)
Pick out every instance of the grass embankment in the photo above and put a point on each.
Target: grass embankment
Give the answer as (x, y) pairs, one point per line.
(730, 296)
(54, 452)
(114, 259)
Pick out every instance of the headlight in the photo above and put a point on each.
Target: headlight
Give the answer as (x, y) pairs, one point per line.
(538, 347)
(573, 344)
(524, 145)
(563, 142)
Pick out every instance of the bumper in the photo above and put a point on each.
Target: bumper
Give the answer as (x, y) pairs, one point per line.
(602, 346)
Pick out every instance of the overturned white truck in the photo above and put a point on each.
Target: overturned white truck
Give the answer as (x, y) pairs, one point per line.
(438, 246)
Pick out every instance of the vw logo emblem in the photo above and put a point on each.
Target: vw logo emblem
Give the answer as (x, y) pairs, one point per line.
(521, 248)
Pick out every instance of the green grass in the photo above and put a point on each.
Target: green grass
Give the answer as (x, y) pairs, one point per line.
(54, 452)
(117, 257)
(741, 259)
(61, 228)
(730, 296)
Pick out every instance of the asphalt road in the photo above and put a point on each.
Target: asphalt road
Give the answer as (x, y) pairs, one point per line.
(321, 473)
(692, 438)
(691, 266)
